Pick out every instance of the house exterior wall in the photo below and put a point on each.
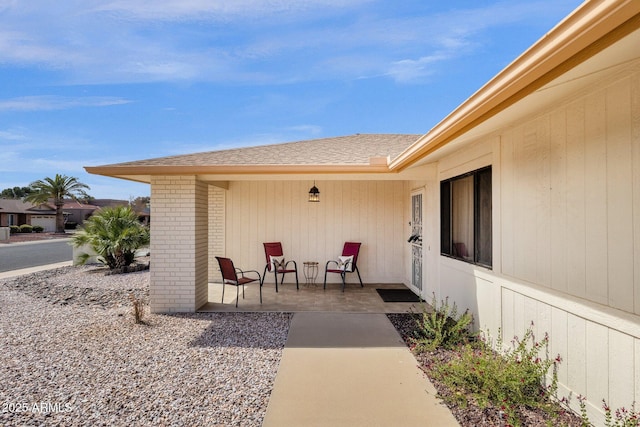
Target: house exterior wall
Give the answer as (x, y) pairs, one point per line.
(566, 238)
(78, 215)
(179, 249)
(372, 212)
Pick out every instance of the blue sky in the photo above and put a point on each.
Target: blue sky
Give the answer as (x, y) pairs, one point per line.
(89, 82)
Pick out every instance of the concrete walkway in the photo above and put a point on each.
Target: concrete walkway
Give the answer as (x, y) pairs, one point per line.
(346, 369)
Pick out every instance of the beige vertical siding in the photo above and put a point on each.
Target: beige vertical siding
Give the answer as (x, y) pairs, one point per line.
(372, 212)
(574, 196)
(566, 220)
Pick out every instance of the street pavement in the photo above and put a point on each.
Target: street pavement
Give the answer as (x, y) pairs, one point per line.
(16, 256)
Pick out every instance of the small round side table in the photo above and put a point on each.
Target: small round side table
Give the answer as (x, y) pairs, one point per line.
(310, 270)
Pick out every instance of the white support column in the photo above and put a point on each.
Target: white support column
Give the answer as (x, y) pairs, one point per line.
(179, 248)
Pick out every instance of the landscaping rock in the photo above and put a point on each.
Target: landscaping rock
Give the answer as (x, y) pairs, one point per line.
(72, 355)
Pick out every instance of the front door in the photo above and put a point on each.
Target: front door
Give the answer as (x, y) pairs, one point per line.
(416, 240)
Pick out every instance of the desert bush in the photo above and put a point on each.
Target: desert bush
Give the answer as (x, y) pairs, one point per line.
(114, 234)
(440, 326)
(14, 229)
(26, 228)
(138, 309)
(509, 379)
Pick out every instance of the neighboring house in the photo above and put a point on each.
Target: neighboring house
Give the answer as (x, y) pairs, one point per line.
(109, 202)
(17, 212)
(526, 198)
(77, 212)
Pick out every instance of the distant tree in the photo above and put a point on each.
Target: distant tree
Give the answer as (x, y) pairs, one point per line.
(115, 234)
(57, 189)
(15, 192)
(87, 200)
(140, 203)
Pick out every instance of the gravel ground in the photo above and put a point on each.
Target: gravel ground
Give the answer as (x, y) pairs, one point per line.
(71, 355)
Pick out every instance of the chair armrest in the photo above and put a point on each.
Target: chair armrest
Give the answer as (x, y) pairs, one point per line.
(326, 267)
(251, 271)
(294, 264)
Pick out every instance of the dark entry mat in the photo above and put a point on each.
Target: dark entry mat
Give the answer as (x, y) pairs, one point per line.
(397, 295)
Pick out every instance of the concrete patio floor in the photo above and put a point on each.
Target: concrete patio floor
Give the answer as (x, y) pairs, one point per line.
(354, 299)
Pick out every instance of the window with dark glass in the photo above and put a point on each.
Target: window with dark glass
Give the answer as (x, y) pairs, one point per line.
(465, 217)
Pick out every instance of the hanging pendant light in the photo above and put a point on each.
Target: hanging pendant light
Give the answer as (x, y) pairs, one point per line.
(314, 193)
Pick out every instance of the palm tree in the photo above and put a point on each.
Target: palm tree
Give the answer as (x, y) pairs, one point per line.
(57, 189)
(114, 233)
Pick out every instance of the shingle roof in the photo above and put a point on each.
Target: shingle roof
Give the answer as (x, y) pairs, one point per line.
(355, 149)
(75, 204)
(18, 206)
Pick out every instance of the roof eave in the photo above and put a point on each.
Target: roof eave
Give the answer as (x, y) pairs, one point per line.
(587, 31)
(128, 172)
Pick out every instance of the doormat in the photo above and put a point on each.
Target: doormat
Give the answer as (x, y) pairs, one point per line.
(397, 295)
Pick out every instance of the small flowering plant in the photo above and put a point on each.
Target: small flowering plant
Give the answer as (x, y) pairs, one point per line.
(508, 379)
(623, 417)
(440, 325)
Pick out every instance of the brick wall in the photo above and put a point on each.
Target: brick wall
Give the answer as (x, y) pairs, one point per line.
(216, 231)
(179, 250)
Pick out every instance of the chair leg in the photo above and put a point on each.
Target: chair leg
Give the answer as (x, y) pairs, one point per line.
(325, 279)
(275, 274)
(344, 283)
(223, 291)
(297, 285)
(260, 294)
(237, 295)
(359, 278)
(264, 275)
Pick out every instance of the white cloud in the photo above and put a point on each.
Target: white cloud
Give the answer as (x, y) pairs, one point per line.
(17, 162)
(113, 188)
(309, 130)
(219, 9)
(47, 103)
(11, 135)
(128, 41)
(409, 70)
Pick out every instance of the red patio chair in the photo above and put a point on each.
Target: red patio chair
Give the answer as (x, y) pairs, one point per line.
(278, 265)
(230, 277)
(347, 263)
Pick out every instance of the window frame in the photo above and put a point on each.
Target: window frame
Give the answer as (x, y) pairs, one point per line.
(482, 253)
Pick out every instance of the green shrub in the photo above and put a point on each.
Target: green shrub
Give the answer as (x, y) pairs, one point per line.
(70, 225)
(38, 229)
(14, 229)
(115, 234)
(26, 228)
(440, 326)
(507, 380)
